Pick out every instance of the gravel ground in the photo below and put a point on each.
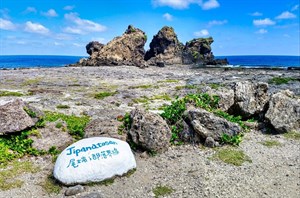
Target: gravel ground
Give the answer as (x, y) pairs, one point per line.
(190, 170)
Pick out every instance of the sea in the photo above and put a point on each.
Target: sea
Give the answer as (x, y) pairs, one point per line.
(32, 61)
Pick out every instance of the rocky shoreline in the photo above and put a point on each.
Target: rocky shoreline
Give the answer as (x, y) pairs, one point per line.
(190, 170)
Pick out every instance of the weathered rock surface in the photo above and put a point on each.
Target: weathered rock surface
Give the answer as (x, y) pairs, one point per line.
(149, 130)
(127, 49)
(284, 112)
(165, 48)
(206, 124)
(14, 118)
(103, 127)
(226, 97)
(93, 160)
(250, 99)
(93, 47)
(50, 136)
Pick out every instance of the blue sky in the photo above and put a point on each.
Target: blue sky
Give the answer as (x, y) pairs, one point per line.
(64, 27)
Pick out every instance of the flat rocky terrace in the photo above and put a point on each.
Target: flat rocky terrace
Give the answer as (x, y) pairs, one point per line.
(190, 170)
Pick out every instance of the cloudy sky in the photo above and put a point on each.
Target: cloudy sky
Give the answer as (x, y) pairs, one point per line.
(64, 27)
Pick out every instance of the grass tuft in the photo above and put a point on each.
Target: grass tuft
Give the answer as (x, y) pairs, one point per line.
(102, 95)
(270, 143)
(162, 191)
(51, 186)
(232, 156)
(61, 106)
(10, 93)
(292, 135)
(281, 80)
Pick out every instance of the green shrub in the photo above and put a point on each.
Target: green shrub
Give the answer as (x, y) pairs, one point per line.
(234, 140)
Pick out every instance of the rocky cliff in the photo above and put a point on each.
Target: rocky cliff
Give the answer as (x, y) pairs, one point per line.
(165, 49)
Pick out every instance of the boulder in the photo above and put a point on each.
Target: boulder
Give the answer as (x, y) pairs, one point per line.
(284, 112)
(207, 124)
(164, 48)
(127, 49)
(149, 131)
(93, 47)
(93, 160)
(104, 127)
(17, 116)
(250, 99)
(226, 97)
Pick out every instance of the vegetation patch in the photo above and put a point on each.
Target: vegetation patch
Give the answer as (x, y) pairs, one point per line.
(145, 99)
(185, 87)
(168, 81)
(234, 140)
(61, 106)
(106, 182)
(140, 87)
(270, 143)
(281, 80)
(102, 95)
(232, 156)
(12, 170)
(10, 93)
(127, 121)
(292, 135)
(32, 81)
(162, 191)
(51, 186)
(215, 85)
(74, 123)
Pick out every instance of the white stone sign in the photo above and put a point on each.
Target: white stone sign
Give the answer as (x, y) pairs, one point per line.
(93, 160)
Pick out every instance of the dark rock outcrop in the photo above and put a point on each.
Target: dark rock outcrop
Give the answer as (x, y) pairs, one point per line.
(165, 48)
(207, 124)
(284, 112)
(250, 99)
(17, 116)
(127, 49)
(149, 131)
(93, 47)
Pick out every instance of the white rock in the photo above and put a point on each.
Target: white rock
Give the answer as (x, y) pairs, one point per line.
(93, 160)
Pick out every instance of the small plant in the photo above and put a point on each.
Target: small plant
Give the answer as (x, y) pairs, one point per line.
(292, 135)
(162, 191)
(61, 106)
(10, 93)
(281, 80)
(232, 156)
(74, 123)
(140, 87)
(103, 95)
(270, 143)
(145, 37)
(185, 87)
(234, 140)
(168, 81)
(12, 170)
(51, 186)
(30, 112)
(127, 121)
(59, 125)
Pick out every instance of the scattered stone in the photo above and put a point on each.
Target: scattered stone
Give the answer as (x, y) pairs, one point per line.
(209, 142)
(149, 130)
(17, 116)
(92, 195)
(104, 127)
(74, 190)
(93, 160)
(284, 112)
(206, 124)
(250, 99)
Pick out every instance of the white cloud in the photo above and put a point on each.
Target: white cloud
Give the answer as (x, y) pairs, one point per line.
(78, 45)
(256, 14)
(6, 24)
(30, 10)
(262, 31)
(69, 7)
(263, 22)
(82, 26)
(58, 44)
(35, 28)
(215, 22)
(184, 4)
(168, 17)
(296, 7)
(50, 13)
(286, 15)
(201, 33)
(210, 4)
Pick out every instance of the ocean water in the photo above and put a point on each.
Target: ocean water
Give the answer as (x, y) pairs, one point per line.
(263, 61)
(11, 62)
(26, 61)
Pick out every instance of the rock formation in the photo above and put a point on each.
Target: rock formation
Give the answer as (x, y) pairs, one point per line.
(17, 116)
(149, 131)
(127, 49)
(284, 112)
(165, 48)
